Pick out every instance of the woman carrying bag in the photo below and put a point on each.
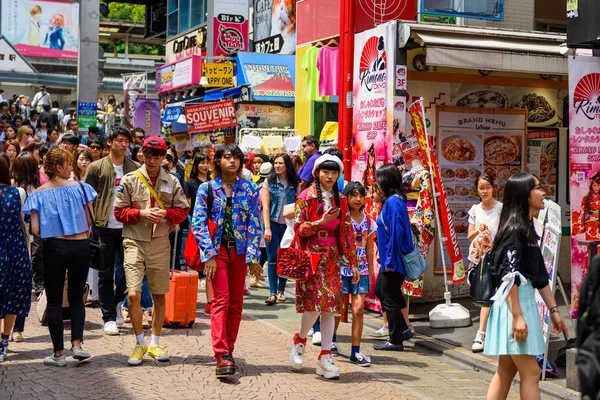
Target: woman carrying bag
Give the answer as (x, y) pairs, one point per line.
(483, 225)
(324, 227)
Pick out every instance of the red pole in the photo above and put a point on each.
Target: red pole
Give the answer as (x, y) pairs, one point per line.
(346, 72)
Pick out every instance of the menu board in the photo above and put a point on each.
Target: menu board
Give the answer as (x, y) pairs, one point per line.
(471, 141)
(542, 158)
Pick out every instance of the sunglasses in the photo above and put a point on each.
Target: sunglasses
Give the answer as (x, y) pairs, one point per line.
(96, 147)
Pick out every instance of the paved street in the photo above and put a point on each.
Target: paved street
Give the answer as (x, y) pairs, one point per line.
(261, 354)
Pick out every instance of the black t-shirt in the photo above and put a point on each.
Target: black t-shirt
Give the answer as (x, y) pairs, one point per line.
(529, 260)
(190, 188)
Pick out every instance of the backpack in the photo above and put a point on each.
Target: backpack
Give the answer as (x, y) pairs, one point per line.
(588, 334)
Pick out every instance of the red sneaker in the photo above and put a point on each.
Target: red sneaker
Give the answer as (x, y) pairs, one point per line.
(225, 365)
(207, 308)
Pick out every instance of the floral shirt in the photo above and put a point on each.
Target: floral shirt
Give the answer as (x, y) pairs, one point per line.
(245, 213)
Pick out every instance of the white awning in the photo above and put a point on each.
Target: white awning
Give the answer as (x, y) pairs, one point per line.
(491, 49)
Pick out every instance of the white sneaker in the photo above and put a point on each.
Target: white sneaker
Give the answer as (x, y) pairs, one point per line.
(55, 361)
(326, 367)
(79, 353)
(110, 328)
(297, 356)
(316, 338)
(310, 333)
(382, 332)
(120, 319)
(477, 346)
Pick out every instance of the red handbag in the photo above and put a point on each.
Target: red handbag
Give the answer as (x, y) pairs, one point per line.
(191, 251)
(296, 264)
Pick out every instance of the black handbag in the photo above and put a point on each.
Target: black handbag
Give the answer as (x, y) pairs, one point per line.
(97, 246)
(482, 288)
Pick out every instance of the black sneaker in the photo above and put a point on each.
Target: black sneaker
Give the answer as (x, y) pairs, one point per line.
(334, 350)
(361, 360)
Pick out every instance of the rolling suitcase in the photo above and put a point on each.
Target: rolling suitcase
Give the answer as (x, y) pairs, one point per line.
(182, 296)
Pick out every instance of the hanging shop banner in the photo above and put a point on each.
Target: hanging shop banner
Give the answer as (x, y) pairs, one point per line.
(230, 27)
(87, 114)
(271, 77)
(453, 249)
(584, 182)
(373, 111)
(48, 28)
(254, 115)
(475, 140)
(134, 86)
(275, 26)
(542, 158)
(218, 74)
(210, 116)
(172, 114)
(178, 74)
(147, 116)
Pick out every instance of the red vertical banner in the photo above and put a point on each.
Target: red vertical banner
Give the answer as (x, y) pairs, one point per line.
(417, 116)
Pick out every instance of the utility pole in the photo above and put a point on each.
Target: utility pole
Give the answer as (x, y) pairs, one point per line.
(87, 60)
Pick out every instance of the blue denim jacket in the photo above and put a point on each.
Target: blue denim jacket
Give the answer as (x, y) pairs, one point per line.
(246, 224)
(276, 191)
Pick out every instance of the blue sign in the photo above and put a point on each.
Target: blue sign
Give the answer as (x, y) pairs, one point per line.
(489, 10)
(172, 114)
(271, 77)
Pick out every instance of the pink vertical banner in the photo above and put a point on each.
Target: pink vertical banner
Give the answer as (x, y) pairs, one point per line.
(373, 115)
(584, 178)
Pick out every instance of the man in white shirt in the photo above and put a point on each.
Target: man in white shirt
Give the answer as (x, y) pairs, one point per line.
(41, 99)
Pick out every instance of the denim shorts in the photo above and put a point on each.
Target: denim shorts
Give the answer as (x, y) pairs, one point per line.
(363, 285)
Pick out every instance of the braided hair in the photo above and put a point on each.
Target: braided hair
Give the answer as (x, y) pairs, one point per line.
(326, 166)
(54, 158)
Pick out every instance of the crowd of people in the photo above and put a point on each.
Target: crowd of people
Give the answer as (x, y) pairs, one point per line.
(242, 210)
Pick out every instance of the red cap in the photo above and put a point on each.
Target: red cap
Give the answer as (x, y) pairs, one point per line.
(155, 143)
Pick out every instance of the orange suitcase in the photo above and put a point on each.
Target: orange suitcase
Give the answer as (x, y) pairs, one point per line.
(182, 299)
(182, 296)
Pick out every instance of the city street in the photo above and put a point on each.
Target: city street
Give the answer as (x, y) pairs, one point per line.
(261, 353)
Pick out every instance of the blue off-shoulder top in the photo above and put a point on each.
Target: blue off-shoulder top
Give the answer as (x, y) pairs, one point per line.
(61, 210)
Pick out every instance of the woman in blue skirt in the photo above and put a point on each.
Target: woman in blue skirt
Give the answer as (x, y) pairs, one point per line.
(514, 327)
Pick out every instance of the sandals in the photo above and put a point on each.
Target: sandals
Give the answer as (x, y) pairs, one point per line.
(281, 297)
(271, 300)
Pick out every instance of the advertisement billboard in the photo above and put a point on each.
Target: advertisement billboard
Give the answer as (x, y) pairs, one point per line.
(42, 28)
(178, 74)
(207, 117)
(275, 26)
(147, 115)
(230, 27)
(254, 115)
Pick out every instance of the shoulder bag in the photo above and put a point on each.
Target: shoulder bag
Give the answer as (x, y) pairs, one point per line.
(191, 251)
(482, 289)
(97, 246)
(295, 263)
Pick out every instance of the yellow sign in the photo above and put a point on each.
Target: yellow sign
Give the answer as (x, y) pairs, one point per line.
(219, 74)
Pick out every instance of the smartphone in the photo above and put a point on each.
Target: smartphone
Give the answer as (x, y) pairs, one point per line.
(333, 210)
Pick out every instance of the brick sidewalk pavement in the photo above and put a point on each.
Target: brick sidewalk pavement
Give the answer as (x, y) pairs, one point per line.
(261, 354)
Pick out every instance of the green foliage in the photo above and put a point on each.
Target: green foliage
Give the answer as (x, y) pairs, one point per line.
(128, 12)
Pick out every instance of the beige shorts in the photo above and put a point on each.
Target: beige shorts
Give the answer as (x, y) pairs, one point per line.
(153, 258)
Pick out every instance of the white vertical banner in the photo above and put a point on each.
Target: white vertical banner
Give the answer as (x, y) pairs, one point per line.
(134, 86)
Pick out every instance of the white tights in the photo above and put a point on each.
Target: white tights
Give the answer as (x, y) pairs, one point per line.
(327, 326)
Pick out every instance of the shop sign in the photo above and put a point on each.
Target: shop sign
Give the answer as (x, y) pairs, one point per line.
(178, 74)
(584, 182)
(265, 116)
(210, 116)
(186, 46)
(230, 27)
(275, 26)
(400, 77)
(218, 74)
(147, 116)
(542, 158)
(172, 114)
(270, 80)
(86, 115)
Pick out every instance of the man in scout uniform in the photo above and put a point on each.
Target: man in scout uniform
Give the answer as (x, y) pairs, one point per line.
(150, 203)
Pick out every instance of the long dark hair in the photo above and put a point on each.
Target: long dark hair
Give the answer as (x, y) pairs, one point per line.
(327, 166)
(389, 180)
(78, 172)
(290, 171)
(515, 210)
(587, 199)
(198, 158)
(25, 171)
(234, 150)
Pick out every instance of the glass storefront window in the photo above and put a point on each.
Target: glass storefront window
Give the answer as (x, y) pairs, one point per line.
(198, 14)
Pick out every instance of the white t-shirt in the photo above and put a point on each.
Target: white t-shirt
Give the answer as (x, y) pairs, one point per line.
(478, 216)
(112, 221)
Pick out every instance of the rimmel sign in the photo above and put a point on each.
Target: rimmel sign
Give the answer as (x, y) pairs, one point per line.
(210, 116)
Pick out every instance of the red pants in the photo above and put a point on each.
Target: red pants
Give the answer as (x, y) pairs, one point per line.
(228, 297)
